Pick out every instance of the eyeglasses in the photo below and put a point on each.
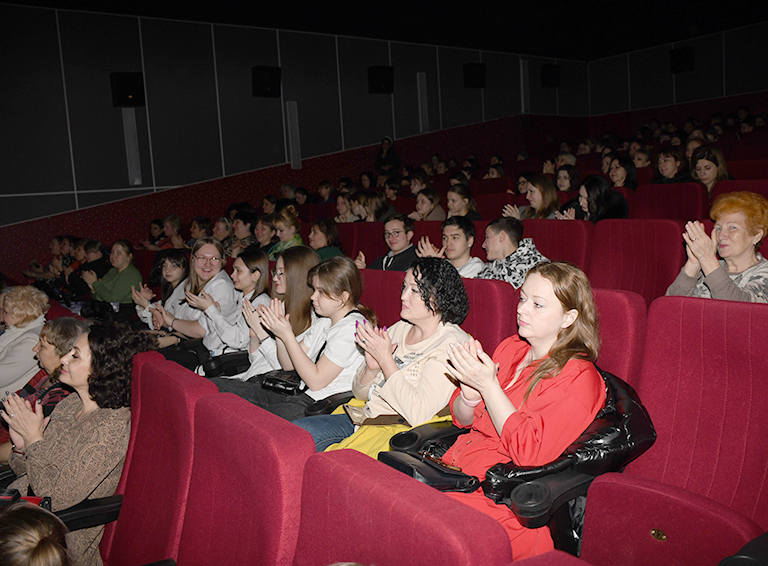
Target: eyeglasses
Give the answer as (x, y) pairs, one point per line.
(278, 274)
(207, 260)
(393, 234)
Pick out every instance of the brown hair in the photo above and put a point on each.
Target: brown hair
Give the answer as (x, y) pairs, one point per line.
(256, 260)
(297, 261)
(463, 191)
(549, 200)
(194, 285)
(580, 340)
(752, 205)
(329, 229)
(339, 274)
(713, 154)
(27, 302)
(61, 333)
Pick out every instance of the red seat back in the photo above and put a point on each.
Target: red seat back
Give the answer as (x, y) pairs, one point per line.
(683, 201)
(643, 256)
(561, 241)
(492, 311)
(759, 186)
(381, 293)
(752, 169)
(161, 447)
(358, 509)
(622, 317)
(255, 489)
(491, 186)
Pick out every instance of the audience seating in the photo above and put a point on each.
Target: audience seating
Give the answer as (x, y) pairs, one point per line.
(643, 256)
(702, 485)
(245, 491)
(622, 317)
(680, 201)
(644, 175)
(490, 205)
(161, 449)
(490, 186)
(561, 241)
(759, 186)
(749, 152)
(357, 509)
(752, 169)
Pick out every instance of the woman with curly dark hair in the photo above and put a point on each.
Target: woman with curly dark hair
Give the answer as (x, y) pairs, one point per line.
(80, 453)
(403, 378)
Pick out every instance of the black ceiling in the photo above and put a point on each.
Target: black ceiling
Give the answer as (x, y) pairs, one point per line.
(580, 30)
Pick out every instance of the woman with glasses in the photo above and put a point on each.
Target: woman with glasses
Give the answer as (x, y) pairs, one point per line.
(189, 322)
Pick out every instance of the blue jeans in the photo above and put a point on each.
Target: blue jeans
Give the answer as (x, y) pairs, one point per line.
(326, 429)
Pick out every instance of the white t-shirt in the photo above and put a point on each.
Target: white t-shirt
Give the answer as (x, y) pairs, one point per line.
(472, 268)
(340, 348)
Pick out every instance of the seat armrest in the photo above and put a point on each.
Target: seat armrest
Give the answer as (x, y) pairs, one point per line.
(427, 436)
(429, 472)
(328, 405)
(754, 553)
(534, 502)
(91, 512)
(231, 363)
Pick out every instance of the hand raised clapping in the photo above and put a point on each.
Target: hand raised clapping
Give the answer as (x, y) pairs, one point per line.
(274, 319)
(473, 368)
(375, 342)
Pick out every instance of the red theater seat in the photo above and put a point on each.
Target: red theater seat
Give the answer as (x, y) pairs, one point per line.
(429, 228)
(492, 186)
(381, 292)
(161, 452)
(354, 508)
(759, 186)
(561, 241)
(752, 169)
(490, 205)
(683, 201)
(622, 317)
(492, 311)
(244, 495)
(702, 486)
(748, 152)
(643, 256)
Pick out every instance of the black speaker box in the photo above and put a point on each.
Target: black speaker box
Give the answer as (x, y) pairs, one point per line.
(681, 60)
(127, 89)
(381, 80)
(550, 76)
(474, 75)
(266, 81)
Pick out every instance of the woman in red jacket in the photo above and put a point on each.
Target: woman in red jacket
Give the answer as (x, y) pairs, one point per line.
(535, 396)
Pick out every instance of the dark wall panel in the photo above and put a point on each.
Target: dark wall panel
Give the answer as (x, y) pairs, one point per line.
(95, 198)
(650, 78)
(573, 94)
(706, 80)
(181, 101)
(543, 100)
(501, 96)
(19, 209)
(367, 117)
(459, 105)
(94, 46)
(746, 59)
(407, 60)
(310, 78)
(34, 142)
(608, 85)
(252, 127)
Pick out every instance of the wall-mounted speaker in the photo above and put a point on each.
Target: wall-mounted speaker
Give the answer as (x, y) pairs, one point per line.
(474, 75)
(381, 80)
(266, 81)
(550, 76)
(127, 89)
(681, 60)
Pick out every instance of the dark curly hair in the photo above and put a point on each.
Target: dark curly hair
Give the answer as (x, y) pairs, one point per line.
(441, 288)
(112, 349)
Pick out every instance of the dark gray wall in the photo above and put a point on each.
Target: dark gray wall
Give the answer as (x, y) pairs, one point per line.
(61, 139)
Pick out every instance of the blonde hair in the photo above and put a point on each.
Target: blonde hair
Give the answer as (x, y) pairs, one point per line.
(30, 535)
(580, 340)
(26, 302)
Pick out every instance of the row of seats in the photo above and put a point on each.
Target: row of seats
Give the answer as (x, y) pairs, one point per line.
(211, 479)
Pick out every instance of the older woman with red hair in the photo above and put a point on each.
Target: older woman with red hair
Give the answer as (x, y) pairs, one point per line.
(741, 273)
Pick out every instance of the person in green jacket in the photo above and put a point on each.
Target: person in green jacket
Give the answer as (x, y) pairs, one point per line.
(115, 286)
(324, 238)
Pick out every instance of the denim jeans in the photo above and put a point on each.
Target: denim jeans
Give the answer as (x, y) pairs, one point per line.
(326, 429)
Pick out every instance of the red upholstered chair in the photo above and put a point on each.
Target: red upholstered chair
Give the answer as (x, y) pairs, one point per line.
(144, 260)
(644, 175)
(490, 205)
(245, 492)
(749, 152)
(477, 247)
(759, 186)
(492, 186)
(348, 238)
(752, 169)
(554, 558)
(431, 229)
(161, 449)
(622, 317)
(381, 292)
(370, 240)
(492, 311)
(357, 509)
(676, 201)
(404, 205)
(702, 486)
(561, 241)
(643, 256)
